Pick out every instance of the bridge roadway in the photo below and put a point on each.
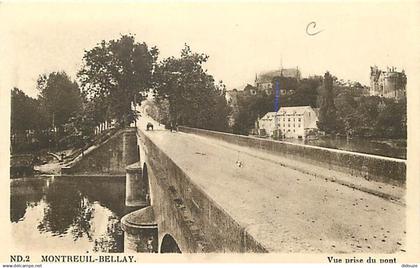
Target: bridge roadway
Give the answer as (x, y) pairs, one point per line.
(283, 209)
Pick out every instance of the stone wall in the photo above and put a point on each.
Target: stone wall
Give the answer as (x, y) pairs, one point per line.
(371, 167)
(109, 157)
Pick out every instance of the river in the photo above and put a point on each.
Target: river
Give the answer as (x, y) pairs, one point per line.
(70, 214)
(383, 147)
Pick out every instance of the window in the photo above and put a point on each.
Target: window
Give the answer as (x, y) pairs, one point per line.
(288, 119)
(288, 125)
(299, 119)
(298, 125)
(293, 125)
(293, 119)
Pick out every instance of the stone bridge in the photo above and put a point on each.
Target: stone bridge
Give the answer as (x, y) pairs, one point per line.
(207, 191)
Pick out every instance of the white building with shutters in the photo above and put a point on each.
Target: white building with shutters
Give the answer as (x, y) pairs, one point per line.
(293, 122)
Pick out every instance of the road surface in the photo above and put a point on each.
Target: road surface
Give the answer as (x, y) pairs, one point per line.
(284, 209)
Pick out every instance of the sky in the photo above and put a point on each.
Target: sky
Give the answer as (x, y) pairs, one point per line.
(241, 38)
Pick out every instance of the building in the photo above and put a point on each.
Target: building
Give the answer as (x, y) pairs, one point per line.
(293, 122)
(387, 84)
(287, 80)
(232, 100)
(231, 96)
(265, 125)
(250, 90)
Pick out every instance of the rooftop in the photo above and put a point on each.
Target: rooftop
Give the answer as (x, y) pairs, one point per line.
(294, 109)
(268, 76)
(289, 110)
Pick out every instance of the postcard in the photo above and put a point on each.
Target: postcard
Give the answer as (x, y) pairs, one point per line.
(184, 131)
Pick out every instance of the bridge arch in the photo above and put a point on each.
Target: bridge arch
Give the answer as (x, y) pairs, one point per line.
(169, 245)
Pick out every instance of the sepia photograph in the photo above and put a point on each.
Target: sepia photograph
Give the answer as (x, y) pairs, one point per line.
(210, 128)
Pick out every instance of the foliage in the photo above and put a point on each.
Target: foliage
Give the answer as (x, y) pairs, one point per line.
(306, 94)
(250, 109)
(285, 83)
(114, 73)
(193, 97)
(371, 116)
(327, 111)
(25, 112)
(59, 96)
(80, 128)
(158, 110)
(367, 116)
(392, 119)
(27, 123)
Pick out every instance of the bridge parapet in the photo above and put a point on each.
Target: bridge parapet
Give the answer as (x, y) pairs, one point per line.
(183, 209)
(371, 167)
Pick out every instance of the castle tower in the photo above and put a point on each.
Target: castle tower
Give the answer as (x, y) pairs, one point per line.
(387, 84)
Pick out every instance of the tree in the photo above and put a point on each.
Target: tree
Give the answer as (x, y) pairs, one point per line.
(114, 73)
(60, 97)
(80, 128)
(348, 120)
(307, 92)
(391, 121)
(251, 107)
(371, 116)
(24, 112)
(193, 97)
(327, 113)
(284, 83)
(27, 122)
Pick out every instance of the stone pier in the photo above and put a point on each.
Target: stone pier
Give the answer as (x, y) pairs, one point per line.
(141, 231)
(136, 187)
(130, 149)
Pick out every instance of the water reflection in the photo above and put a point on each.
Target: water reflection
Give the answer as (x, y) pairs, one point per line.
(65, 208)
(26, 193)
(80, 214)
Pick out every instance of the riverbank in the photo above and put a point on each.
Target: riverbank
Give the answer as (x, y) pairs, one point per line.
(49, 168)
(396, 148)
